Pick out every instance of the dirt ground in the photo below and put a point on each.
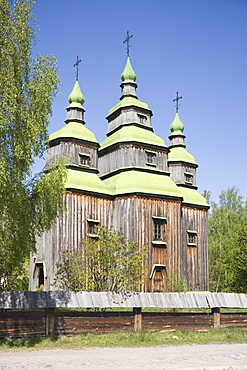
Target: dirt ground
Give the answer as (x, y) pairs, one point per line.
(186, 357)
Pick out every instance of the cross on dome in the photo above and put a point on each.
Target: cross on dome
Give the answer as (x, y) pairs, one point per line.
(127, 40)
(77, 66)
(176, 100)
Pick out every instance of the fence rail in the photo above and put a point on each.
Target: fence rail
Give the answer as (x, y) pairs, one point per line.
(15, 321)
(63, 299)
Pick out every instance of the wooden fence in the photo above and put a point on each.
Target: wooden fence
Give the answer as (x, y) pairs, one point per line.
(35, 313)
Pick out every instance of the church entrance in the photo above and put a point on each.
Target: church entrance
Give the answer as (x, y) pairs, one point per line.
(157, 277)
(39, 275)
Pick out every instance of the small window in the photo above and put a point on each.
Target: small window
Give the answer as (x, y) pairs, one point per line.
(84, 159)
(150, 158)
(188, 177)
(91, 227)
(142, 119)
(191, 237)
(157, 231)
(159, 227)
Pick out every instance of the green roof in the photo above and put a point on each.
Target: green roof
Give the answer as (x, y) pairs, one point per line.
(128, 74)
(177, 126)
(192, 196)
(126, 102)
(134, 181)
(132, 133)
(76, 98)
(86, 181)
(180, 154)
(74, 130)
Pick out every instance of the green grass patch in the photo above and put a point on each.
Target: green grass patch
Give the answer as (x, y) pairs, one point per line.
(129, 339)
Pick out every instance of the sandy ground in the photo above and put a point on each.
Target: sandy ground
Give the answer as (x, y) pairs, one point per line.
(189, 357)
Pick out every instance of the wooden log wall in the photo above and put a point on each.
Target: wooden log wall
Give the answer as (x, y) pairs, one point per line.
(68, 232)
(70, 150)
(128, 114)
(194, 259)
(36, 323)
(133, 216)
(177, 172)
(128, 155)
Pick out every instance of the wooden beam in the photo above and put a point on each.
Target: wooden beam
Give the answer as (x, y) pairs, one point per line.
(137, 318)
(49, 322)
(216, 317)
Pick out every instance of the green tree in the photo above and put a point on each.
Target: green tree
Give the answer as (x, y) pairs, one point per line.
(27, 86)
(226, 239)
(106, 263)
(240, 273)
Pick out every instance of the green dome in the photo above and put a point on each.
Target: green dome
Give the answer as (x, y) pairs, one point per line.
(76, 97)
(128, 74)
(180, 154)
(74, 130)
(177, 126)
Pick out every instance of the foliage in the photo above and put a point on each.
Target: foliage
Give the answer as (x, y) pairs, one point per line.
(106, 263)
(143, 338)
(228, 243)
(27, 88)
(174, 282)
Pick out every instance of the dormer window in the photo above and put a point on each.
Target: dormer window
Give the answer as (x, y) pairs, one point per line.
(142, 119)
(84, 159)
(188, 177)
(150, 158)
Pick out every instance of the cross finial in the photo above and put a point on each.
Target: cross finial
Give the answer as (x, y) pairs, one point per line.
(176, 100)
(127, 40)
(77, 66)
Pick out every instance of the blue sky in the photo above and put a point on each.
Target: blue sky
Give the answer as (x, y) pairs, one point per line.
(198, 48)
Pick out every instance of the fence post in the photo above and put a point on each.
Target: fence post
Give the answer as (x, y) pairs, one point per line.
(216, 317)
(137, 318)
(49, 322)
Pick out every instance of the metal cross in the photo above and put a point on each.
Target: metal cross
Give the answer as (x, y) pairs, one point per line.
(77, 66)
(176, 100)
(127, 40)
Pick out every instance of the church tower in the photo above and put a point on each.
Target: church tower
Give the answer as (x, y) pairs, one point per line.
(182, 167)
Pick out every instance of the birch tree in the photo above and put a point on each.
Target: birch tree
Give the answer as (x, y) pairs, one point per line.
(28, 85)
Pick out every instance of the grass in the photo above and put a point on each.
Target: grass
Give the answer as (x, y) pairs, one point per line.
(129, 339)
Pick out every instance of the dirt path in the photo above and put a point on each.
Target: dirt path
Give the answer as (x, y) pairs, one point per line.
(187, 357)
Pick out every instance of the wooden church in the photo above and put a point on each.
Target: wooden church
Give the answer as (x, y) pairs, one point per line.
(131, 182)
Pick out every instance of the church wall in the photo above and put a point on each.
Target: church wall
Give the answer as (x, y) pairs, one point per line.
(129, 114)
(194, 257)
(178, 173)
(134, 217)
(68, 231)
(70, 152)
(128, 155)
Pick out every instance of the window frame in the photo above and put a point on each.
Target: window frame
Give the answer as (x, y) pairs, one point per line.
(150, 158)
(159, 229)
(192, 238)
(84, 157)
(90, 227)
